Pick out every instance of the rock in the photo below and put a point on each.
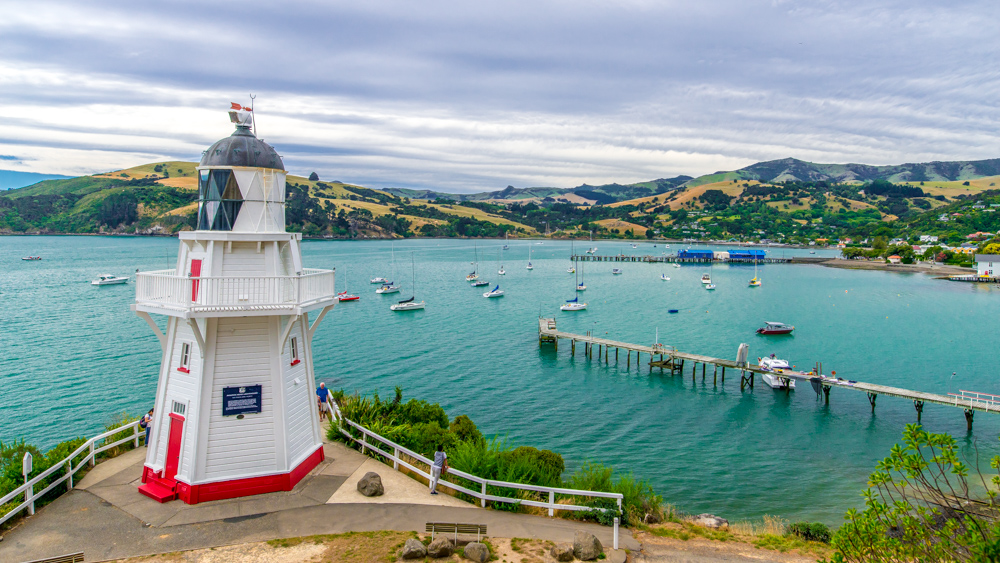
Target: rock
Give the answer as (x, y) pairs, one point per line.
(586, 546)
(562, 552)
(710, 521)
(371, 485)
(440, 547)
(413, 549)
(477, 552)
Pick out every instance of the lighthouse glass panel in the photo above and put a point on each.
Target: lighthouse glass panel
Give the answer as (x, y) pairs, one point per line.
(219, 200)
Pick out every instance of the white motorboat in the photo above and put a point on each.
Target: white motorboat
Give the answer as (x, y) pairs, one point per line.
(635, 246)
(710, 286)
(664, 277)
(775, 368)
(31, 258)
(616, 271)
(380, 280)
(676, 265)
(108, 279)
(706, 279)
(388, 287)
(495, 292)
(480, 283)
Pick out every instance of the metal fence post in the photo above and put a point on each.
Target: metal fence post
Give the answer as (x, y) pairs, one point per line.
(552, 501)
(29, 492)
(135, 432)
(69, 471)
(92, 462)
(395, 462)
(364, 442)
(483, 499)
(616, 533)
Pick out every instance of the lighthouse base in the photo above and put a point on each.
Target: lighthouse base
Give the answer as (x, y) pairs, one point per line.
(164, 490)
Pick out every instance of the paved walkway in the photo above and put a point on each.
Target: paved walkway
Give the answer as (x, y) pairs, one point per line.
(107, 518)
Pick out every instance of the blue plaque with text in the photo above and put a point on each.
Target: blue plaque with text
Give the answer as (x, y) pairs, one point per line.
(240, 400)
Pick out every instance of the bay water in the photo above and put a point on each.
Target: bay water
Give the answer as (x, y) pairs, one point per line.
(72, 355)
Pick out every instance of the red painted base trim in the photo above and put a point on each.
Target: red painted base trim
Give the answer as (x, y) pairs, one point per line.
(204, 492)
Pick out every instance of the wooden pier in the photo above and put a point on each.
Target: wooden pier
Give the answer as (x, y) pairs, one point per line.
(662, 356)
(674, 259)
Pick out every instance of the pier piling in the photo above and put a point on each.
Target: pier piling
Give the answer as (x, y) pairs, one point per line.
(919, 405)
(826, 394)
(969, 413)
(871, 399)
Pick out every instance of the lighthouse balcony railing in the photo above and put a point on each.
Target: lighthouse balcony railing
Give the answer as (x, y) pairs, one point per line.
(164, 288)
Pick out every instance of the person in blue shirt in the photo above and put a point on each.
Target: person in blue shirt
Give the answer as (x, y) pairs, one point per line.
(321, 396)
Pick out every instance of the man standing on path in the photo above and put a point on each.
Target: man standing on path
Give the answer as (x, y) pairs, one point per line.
(440, 466)
(321, 396)
(147, 423)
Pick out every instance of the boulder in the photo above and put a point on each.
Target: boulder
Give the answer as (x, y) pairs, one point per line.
(586, 546)
(477, 552)
(413, 549)
(371, 485)
(440, 547)
(710, 521)
(562, 552)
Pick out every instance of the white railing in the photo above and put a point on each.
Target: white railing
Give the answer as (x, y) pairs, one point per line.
(167, 289)
(482, 495)
(985, 401)
(28, 488)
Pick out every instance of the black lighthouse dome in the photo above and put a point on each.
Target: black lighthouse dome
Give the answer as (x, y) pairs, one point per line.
(242, 148)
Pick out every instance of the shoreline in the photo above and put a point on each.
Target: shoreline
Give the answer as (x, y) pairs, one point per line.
(942, 271)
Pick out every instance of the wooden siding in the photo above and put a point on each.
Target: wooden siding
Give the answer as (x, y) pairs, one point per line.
(181, 387)
(244, 261)
(240, 448)
(299, 399)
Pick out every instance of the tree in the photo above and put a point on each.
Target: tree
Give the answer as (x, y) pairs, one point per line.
(919, 507)
(313, 177)
(118, 208)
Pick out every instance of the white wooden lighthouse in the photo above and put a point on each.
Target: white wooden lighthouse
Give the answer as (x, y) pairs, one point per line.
(235, 410)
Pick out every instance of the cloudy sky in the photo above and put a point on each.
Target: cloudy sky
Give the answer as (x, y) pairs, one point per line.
(468, 96)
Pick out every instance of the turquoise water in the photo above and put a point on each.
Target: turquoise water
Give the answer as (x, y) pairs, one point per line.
(72, 354)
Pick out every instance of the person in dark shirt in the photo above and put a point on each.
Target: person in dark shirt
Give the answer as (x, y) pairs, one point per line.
(321, 395)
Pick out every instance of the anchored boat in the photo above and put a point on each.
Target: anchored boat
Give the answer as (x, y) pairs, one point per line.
(108, 279)
(573, 305)
(495, 292)
(771, 327)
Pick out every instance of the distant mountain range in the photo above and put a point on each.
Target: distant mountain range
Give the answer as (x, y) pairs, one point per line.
(785, 169)
(11, 179)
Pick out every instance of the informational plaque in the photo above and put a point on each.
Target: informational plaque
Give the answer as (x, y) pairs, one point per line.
(240, 400)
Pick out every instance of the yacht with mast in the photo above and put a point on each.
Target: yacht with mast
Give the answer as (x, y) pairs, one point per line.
(530, 267)
(755, 282)
(409, 304)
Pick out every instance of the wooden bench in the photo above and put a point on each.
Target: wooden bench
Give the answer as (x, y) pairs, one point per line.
(70, 558)
(450, 528)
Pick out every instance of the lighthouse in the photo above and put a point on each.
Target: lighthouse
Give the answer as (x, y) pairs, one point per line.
(235, 412)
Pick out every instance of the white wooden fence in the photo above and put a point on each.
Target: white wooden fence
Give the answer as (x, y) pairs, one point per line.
(28, 488)
(372, 441)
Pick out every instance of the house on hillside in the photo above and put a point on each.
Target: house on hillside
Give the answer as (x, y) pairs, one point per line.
(928, 238)
(986, 264)
(894, 259)
(943, 217)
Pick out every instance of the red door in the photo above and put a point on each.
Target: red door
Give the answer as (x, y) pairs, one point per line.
(195, 273)
(174, 445)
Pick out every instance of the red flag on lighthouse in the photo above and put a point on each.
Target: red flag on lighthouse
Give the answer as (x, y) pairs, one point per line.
(236, 105)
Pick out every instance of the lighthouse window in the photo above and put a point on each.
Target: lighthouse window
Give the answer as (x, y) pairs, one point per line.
(294, 345)
(178, 408)
(219, 200)
(185, 363)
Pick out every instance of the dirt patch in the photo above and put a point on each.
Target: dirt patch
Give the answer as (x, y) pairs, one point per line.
(673, 541)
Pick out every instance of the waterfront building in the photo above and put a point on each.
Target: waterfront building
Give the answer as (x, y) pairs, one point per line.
(987, 264)
(235, 410)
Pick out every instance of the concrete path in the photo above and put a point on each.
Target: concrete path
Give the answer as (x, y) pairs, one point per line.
(112, 520)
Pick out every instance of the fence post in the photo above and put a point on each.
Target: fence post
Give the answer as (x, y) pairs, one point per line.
(552, 501)
(92, 461)
(135, 433)
(69, 471)
(483, 499)
(30, 491)
(395, 462)
(364, 442)
(616, 533)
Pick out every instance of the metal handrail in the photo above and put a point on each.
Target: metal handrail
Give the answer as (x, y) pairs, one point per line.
(397, 449)
(27, 489)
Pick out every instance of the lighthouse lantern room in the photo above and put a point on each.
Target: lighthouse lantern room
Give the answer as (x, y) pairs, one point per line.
(235, 411)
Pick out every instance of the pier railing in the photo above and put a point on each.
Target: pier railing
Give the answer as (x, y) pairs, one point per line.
(91, 448)
(165, 288)
(395, 452)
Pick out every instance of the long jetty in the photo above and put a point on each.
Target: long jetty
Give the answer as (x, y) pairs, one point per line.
(667, 357)
(673, 258)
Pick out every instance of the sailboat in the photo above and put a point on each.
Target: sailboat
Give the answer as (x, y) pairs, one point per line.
(707, 279)
(474, 275)
(505, 247)
(530, 267)
(755, 282)
(344, 296)
(573, 305)
(495, 292)
(409, 304)
(592, 249)
(501, 271)
(572, 252)
(388, 286)
(580, 285)
(664, 277)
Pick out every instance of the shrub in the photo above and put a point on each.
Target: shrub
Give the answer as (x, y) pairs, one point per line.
(465, 430)
(815, 531)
